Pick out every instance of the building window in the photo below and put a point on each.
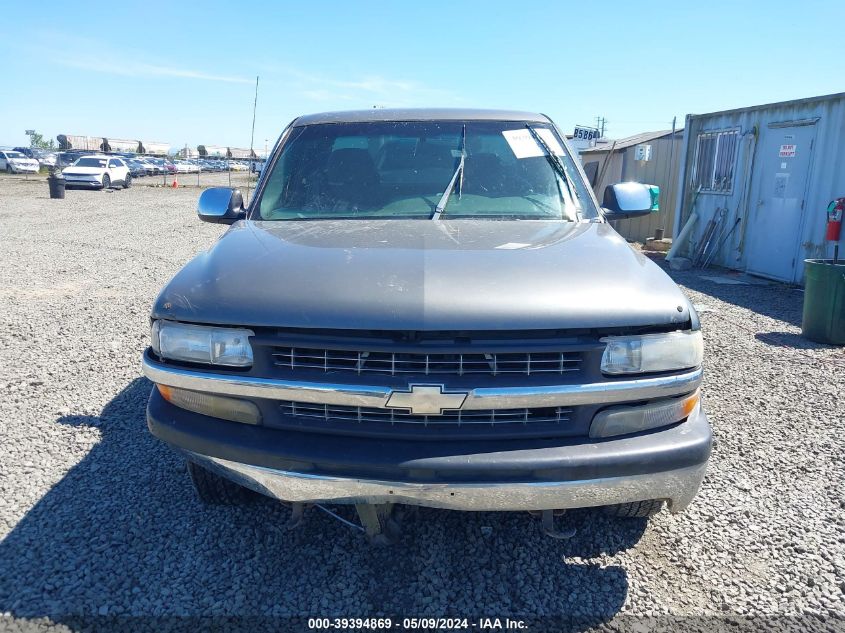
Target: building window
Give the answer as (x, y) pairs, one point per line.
(715, 157)
(591, 170)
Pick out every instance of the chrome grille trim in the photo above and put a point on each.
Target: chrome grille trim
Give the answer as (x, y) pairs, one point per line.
(607, 392)
(423, 363)
(456, 418)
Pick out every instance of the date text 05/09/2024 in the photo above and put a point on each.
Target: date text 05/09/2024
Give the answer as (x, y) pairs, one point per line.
(425, 623)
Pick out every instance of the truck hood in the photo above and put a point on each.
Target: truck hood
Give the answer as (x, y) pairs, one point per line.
(422, 275)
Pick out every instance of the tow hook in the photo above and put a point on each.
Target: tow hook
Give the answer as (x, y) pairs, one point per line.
(549, 529)
(297, 510)
(380, 527)
(378, 521)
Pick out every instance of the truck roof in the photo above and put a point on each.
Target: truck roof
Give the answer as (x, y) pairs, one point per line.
(420, 114)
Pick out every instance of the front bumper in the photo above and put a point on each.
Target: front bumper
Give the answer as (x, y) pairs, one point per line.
(678, 487)
(93, 184)
(24, 169)
(530, 474)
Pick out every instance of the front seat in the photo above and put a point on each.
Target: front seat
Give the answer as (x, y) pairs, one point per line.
(352, 178)
(485, 175)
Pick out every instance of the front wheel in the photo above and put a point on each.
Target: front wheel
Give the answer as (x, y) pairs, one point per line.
(635, 510)
(127, 182)
(106, 181)
(212, 489)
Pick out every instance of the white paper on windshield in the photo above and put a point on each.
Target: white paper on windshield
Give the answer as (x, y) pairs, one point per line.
(550, 139)
(524, 145)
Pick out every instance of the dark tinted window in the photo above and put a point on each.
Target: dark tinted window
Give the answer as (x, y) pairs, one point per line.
(90, 162)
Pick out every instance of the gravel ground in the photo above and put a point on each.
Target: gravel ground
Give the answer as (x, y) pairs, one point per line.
(98, 519)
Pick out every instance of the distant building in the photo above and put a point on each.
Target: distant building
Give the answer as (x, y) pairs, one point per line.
(651, 158)
(110, 144)
(213, 151)
(219, 151)
(766, 174)
(154, 147)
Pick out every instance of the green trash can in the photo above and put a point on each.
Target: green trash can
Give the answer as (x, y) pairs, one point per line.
(824, 301)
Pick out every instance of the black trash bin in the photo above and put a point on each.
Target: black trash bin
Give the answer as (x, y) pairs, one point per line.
(57, 186)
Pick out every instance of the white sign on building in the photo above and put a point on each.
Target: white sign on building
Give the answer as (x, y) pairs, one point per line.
(585, 133)
(642, 152)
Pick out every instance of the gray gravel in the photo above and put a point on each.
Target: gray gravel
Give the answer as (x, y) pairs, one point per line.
(99, 519)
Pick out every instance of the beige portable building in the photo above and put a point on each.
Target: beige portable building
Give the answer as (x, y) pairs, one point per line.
(651, 158)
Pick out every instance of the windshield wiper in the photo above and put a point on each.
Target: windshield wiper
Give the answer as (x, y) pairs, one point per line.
(458, 177)
(558, 166)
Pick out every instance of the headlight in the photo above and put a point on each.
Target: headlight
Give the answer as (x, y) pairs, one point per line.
(202, 344)
(652, 352)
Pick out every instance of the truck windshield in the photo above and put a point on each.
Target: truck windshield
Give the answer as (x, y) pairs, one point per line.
(401, 169)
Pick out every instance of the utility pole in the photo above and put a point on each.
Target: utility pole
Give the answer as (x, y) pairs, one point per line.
(601, 125)
(252, 138)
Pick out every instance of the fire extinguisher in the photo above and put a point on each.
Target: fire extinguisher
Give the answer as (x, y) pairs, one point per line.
(834, 224)
(834, 219)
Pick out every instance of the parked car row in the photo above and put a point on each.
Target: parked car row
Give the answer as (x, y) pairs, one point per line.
(26, 159)
(45, 157)
(13, 162)
(140, 166)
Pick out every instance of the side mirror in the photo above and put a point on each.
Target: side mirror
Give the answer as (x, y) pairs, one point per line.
(627, 200)
(221, 205)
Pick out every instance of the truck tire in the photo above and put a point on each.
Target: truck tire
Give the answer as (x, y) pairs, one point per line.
(212, 489)
(637, 509)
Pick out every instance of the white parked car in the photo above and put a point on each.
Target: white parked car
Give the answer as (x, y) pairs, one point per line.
(98, 172)
(45, 159)
(16, 163)
(185, 167)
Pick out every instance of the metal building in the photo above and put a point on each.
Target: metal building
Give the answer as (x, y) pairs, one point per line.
(219, 151)
(77, 141)
(154, 147)
(651, 158)
(108, 144)
(213, 151)
(120, 145)
(765, 174)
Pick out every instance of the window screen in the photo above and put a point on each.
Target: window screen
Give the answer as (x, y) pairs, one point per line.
(715, 158)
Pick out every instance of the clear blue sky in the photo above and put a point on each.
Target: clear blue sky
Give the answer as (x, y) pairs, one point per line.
(184, 72)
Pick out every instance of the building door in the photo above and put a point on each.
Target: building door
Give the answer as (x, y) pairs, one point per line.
(775, 219)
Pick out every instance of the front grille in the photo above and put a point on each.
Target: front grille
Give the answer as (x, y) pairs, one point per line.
(458, 418)
(393, 363)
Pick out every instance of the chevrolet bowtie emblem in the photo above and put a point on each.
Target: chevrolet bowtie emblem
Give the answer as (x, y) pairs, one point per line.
(426, 400)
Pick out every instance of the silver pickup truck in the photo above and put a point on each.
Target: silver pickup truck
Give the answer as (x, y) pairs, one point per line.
(429, 307)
